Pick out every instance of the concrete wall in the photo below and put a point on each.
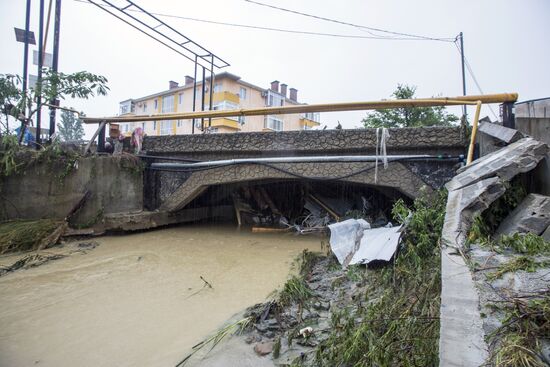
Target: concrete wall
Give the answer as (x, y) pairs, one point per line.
(429, 140)
(533, 119)
(114, 184)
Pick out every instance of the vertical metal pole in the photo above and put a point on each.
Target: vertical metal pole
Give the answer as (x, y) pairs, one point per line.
(508, 116)
(194, 95)
(101, 139)
(464, 110)
(55, 62)
(202, 95)
(211, 88)
(40, 64)
(25, 66)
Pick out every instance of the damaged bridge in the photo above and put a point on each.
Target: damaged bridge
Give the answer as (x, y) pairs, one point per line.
(182, 167)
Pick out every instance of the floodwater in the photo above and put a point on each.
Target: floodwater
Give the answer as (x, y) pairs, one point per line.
(138, 300)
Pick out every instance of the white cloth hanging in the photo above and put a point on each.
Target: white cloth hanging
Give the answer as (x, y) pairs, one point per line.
(381, 139)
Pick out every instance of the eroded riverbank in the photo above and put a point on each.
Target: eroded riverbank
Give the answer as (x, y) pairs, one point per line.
(138, 299)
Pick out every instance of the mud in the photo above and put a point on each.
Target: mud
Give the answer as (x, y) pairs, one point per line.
(138, 300)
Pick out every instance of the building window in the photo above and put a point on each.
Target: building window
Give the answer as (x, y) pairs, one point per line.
(226, 105)
(180, 98)
(242, 93)
(313, 116)
(274, 99)
(156, 104)
(180, 123)
(144, 106)
(155, 125)
(168, 104)
(126, 107)
(241, 120)
(165, 127)
(217, 87)
(273, 123)
(143, 126)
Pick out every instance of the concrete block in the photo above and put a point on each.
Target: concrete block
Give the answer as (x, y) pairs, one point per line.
(521, 156)
(532, 215)
(546, 234)
(501, 133)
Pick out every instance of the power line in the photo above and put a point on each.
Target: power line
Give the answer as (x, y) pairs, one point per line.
(471, 72)
(413, 36)
(283, 30)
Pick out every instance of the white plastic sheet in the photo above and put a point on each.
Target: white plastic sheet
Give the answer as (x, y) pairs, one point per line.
(353, 242)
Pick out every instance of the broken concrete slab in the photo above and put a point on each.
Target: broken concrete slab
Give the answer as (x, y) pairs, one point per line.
(461, 341)
(504, 134)
(464, 204)
(521, 156)
(532, 215)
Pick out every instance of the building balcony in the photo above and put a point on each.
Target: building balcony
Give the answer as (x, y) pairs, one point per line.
(225, 122)
(307, 123)
(222, 96)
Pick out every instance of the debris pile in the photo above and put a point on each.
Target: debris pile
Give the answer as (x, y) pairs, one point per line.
(306, 207)
(25, 235)
(495, 255)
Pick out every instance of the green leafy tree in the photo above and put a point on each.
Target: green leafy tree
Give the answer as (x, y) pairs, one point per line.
(408, 116)
(70, 127)
(54, 86)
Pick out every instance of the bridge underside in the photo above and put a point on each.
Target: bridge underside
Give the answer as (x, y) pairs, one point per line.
(175, 190)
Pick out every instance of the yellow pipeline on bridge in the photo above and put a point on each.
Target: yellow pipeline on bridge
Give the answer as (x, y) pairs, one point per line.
(326, 107)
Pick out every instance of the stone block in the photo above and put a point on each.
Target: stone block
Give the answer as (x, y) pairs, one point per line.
(532, 215)
(501, 133)
(521, 156)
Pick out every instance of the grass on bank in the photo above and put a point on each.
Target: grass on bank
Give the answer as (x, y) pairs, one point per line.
(396, 323)
(25, 235)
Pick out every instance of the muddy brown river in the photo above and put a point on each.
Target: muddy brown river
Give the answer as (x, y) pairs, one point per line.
(138, 300)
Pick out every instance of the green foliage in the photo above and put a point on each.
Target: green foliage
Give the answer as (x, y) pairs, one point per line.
(25, 235)
(54, 85)
(526, 321)
(525, 243)
(524, 263)
(408, 116)
(397, 323)
(295, 291)
(235, 328)
(10, 98)
(485, 224)
(9, 148)
(82, 84)
(70, 127)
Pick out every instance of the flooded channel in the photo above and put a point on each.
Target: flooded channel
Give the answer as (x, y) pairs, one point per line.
(138, 300)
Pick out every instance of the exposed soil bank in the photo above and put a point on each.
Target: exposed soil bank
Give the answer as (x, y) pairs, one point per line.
(138, 300)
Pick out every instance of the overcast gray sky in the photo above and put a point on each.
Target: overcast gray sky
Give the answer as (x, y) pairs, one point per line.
(506, 43)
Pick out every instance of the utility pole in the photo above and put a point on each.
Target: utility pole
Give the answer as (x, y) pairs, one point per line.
(25, 67)
(40, 64)
(464, 110)
(55, 62)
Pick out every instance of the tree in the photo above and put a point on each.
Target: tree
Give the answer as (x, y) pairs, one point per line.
(409, 116)
(54, 86)
(70, 127)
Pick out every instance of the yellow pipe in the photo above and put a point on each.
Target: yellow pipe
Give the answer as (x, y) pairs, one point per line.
(329, 107)
(474, 133)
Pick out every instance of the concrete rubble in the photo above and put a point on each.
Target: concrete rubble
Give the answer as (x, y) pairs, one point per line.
(532, 215)
(471, 191)
(499, 132)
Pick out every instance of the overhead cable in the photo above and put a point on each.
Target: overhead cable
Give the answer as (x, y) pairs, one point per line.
(412, 36)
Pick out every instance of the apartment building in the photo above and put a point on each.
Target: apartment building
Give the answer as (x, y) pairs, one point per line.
(229, 92)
